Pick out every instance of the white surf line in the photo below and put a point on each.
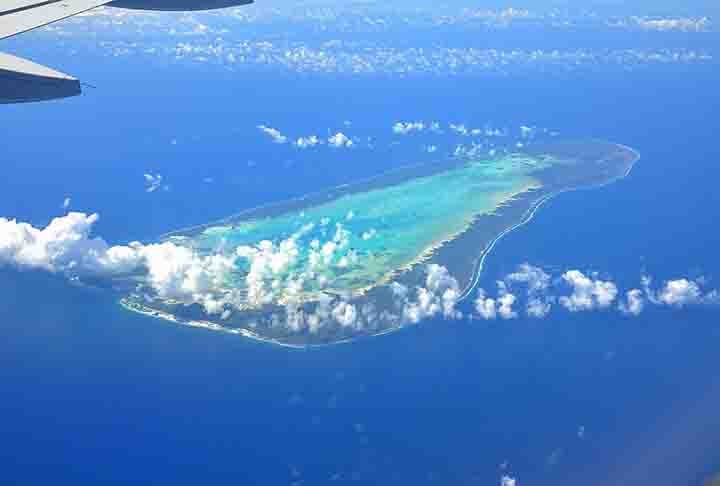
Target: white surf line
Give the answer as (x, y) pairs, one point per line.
(527, 217)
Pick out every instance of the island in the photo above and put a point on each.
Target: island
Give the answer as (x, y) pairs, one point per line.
(334, 266)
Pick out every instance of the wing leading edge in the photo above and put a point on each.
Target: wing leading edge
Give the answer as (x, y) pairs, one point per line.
(18, 16)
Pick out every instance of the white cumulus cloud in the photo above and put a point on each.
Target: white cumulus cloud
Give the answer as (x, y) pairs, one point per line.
(66, 245)
(307, 142)
(281, 273)
(537, 281)
(340, 140)
(634, 302)
(488, 308)
(679, 292)
(439, 296)
(588, 293)
(404, 128)
(508, 481)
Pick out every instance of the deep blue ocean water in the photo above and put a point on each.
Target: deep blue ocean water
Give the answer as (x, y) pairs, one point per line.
(93, 394)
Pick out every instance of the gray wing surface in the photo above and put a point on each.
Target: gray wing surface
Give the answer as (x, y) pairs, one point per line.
(18, 16)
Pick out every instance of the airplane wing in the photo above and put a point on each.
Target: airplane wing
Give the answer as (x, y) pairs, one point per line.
(22, 80)
(17, 16)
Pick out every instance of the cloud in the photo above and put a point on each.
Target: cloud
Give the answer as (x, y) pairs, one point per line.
(538, 308)
(439, 296)
(282, 272)
(177, 273)
(679, 293)
(527, 132)
(307, 142)
(683, 24)
(345, 314)
(588, 294)
(65, 245)
(404, 128)
(505, 304)
(369, 234)
(485, 306)
(460, 129)
(537, 282)
(66, 203)
(273, 133)
(153, 182)
(62, 245)
(634, 303)
(502, 307)
(508, 481)
(373, 58)
(340, 140)
(534, 277)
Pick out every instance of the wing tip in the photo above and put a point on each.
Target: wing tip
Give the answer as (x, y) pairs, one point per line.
(25, 81)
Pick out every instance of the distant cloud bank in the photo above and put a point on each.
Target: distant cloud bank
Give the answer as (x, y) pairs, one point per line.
(346, 40)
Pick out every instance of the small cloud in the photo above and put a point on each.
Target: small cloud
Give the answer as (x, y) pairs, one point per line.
(527, 132)
(340, 140)
(439, 296)
(460, 129)
(508, 481)
(680, 293)
(534, 277)
(537, 282)
(634, 303)
(66, 203)
(307, 142)
(369, 234)
(683, 24)
(153, 182)
(485, 306)
(588, 294)
(404, 128)
(538, 308)
(502, 307)
(505, 304)
(273, 133)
